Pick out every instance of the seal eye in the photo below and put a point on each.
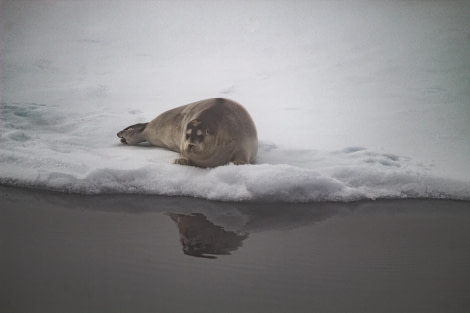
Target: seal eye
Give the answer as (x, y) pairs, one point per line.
(187, 136)
(207, 132)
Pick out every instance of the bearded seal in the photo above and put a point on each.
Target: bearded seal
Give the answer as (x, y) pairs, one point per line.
(206, 133)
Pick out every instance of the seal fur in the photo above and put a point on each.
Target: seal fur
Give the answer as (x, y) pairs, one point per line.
(206, 133)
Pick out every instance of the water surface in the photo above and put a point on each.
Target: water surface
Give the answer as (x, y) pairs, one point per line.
(72, 253)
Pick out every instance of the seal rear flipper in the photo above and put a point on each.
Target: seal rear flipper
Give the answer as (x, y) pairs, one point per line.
(133, 134)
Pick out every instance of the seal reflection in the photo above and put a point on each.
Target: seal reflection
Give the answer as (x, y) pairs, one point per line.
(201, 238)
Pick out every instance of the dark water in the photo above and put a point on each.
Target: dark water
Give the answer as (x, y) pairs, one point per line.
(69, 253)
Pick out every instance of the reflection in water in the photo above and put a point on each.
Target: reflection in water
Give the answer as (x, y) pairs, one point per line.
(206, 228)
(200, 237)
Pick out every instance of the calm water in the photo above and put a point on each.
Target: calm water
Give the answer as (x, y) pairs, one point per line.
(68, 253)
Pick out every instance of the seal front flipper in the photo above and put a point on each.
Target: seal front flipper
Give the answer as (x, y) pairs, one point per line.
(133, 134)
(239, 162)
(183, 161)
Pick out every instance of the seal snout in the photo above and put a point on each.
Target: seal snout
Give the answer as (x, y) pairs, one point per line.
(192, 147)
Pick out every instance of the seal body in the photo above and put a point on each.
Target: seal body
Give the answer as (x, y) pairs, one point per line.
(206, 133)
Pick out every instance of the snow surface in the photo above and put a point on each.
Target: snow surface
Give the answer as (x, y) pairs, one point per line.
(352, 99)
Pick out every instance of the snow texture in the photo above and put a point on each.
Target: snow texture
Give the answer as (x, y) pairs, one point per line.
(352, 100)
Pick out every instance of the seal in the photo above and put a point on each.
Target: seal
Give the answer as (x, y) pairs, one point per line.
(206, 133)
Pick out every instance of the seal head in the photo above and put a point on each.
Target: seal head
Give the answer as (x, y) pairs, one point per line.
(196, 137)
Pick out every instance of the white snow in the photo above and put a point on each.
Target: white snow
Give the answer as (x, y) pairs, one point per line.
(352, 99)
